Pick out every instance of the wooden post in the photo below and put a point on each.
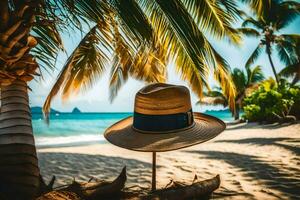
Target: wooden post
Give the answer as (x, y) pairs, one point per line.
(153, 171)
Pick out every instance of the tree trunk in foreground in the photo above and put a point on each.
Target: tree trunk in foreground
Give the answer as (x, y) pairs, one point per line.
(19, 171)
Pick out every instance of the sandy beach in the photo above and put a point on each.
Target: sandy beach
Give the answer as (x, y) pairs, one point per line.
(254, 162)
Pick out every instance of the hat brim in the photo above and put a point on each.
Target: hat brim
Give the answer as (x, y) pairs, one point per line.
(122, 134)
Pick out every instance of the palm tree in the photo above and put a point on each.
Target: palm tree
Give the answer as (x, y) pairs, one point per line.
(27, 34)
(293, 70)
(244, 83)
(140, 36)
(270, 18)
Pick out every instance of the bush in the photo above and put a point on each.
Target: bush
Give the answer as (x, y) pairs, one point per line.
(269, 102)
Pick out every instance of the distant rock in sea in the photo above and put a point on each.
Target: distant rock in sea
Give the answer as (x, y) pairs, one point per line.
(76, 110)
(39, 110)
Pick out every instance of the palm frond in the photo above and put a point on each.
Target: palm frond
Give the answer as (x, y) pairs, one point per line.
(286, 52)
(70, 14)
(189, 48)
(88, 64)
(251, 22)
(254, 56)
(49, 44)
(92, 11)
(83, 67)
(231, 8)
(122, 61)
(250, 32)
(145, 61)
(134, 19)
(149, 65)
(239, 79)
(60, 16)
(47, 33)
(291, 71)
(287, 46)
(254, 75)
(278, 13)
(212, 17)
(61, 13)
(176, 36)
(286, 13)
(259, 7)
(223, 77)
(183, 41)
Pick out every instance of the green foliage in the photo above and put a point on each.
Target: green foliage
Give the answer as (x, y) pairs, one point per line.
(270, 102)
(252, 112)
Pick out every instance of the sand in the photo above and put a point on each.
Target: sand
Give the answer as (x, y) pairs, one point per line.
(254, 162)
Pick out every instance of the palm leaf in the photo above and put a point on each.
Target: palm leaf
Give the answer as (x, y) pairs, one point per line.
(187, 45)
(239, 79)
(62, 16)
(149, 65)
(285, 52)
(82, 69)
(231, 8)
(250, 22)
(146, 62)
(177, 36)
(49, 43)
(134, 19)
(183, 40)
(259, 7)
(254, 75)
(210, 16)
(254, 56)
(122, 61)
(250, 32)
(291, 71)
(223, 77)
(92, 11)
(286, 13)
(287, 46)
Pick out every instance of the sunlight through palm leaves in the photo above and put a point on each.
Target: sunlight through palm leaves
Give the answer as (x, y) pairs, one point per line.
(156, 32)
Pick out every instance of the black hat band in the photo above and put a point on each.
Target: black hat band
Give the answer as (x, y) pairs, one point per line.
(162, 123)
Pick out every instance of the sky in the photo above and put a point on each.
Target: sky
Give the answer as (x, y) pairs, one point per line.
(97, 98)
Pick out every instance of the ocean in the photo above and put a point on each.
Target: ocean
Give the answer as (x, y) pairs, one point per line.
(70, 129)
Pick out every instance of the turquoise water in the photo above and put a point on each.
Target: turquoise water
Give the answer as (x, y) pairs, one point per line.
(79, 128)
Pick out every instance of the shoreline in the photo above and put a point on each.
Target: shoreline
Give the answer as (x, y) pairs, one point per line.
(50, 141)
(251, 160)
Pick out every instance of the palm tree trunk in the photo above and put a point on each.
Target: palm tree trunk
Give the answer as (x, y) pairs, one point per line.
(19, 171)
(272, 64)
(237, 112)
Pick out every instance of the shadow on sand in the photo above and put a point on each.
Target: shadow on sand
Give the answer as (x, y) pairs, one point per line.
(273, 175)
(281, 142)
(83, 166)
(254, 125)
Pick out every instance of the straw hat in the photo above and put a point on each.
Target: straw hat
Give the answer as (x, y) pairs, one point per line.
(163, 121)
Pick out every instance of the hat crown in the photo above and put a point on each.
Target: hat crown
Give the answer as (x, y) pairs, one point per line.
(162, 99)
